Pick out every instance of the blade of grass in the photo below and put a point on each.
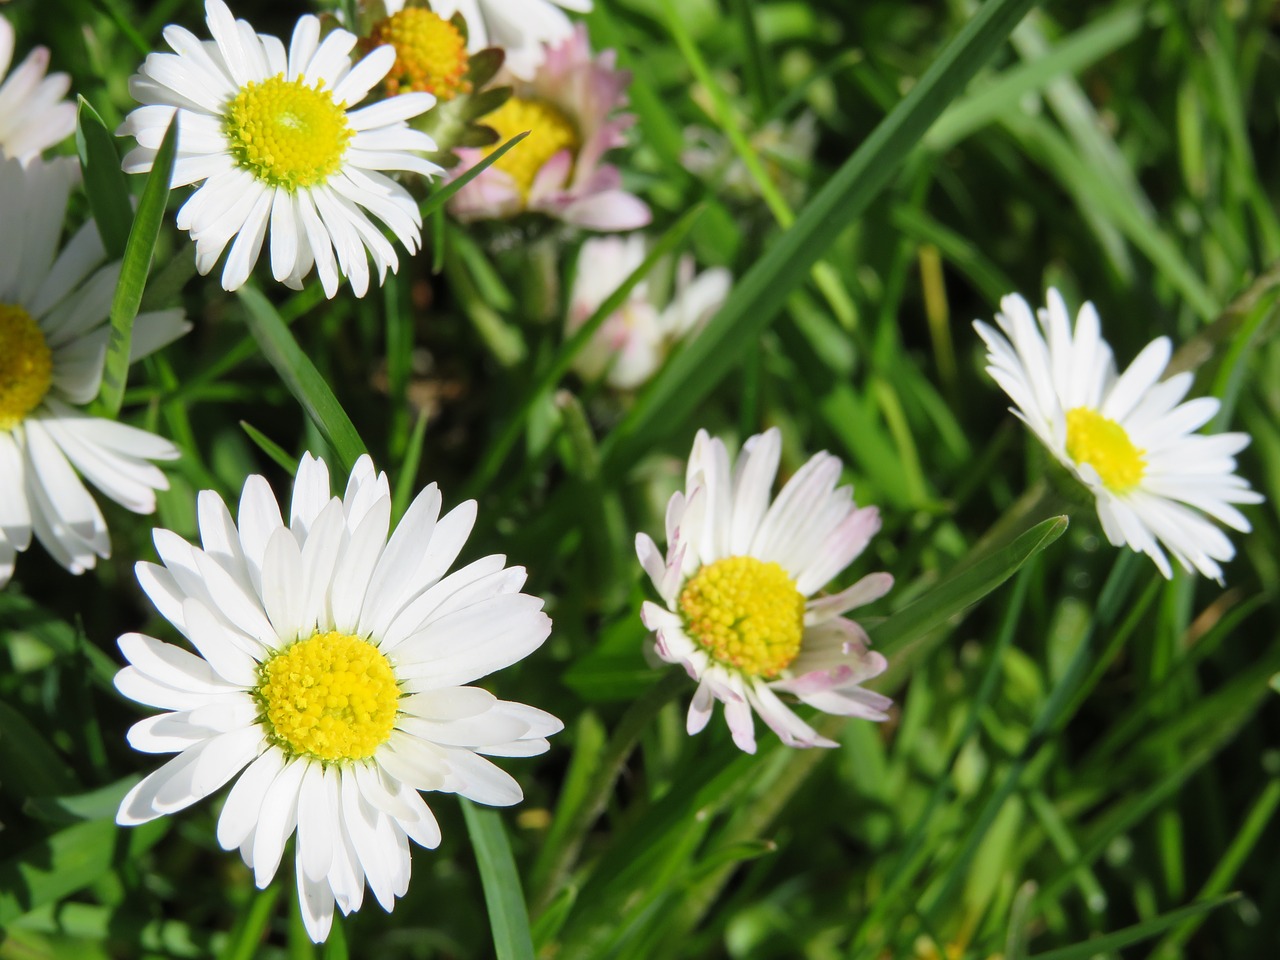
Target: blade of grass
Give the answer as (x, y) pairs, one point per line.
(272, 449)
(440, 197)
(104, 181)
(1134, 934)
(302, 378)
(756, 299)
(133, 273)
(508, 917)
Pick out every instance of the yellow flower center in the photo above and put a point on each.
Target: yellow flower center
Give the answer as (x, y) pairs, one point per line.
(431, 54)
(26, 365)
(1103, 444)
(332, 697)
(550, 131)
(746, 613)
(286, 133)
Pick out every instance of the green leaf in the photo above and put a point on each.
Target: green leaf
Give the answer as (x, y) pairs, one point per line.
(508, 918)
(272, 449)
(70, 860)
(302, 378)
(1134, 934)
(966, 588)
(31, 766)
(104, 181)
(133, 273)
(246, 939)
(756, 299)
(97, 804)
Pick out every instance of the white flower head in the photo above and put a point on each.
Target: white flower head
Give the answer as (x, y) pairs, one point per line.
(739, 586)
(54, 306)
(331, 674)
(33, 114)
(522, 28)
(634, 341)
(1128, 438)
(272, 136)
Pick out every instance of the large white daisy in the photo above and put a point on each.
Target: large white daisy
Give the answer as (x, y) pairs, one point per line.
(739, 586)
(271, 136)
(54, 307)
(522, 28)
(1129, 438)
(33, 114)
(331, 667)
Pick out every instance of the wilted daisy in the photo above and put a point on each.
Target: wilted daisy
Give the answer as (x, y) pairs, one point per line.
(1129, 439)
(274, 139)
(739, 586)
(331, 668)
(33, 115)
(54, 307)
(633, 342)
(558, 170)
(522, 29)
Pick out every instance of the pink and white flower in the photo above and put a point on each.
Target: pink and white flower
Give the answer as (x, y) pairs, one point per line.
(740, 582)
(635, 340)
(569, 108)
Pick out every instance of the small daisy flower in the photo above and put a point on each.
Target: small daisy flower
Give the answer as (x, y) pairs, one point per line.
(634, 341)
(522, 28)
(739, 585)
(331, 674)
(272, 137)
(54, 306)
(33, 114)
(431, 53)
(1129, 438)
(559, 169)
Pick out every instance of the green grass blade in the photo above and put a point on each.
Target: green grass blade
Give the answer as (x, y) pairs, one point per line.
(439, 198)
(755, 300)
(133, 273)
(301, 377)
(508, 917)
(246, 939)
(268, 446)
(1134, 934)
(968, 587)
(104, 181)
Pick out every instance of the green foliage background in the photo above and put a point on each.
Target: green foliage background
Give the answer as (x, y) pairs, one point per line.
(1089, 750)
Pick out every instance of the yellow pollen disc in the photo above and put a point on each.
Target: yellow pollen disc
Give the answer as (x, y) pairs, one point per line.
(332, 697)
(26, 365)
(431, 54)
(286, 133)
(1104, 445)
(550, 131)
(746, 613)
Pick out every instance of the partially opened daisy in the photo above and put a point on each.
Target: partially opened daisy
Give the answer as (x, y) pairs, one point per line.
(1128, 438)
(33, 114)
(570, 111)
(332, 669)
(522, 28)
(273, 137)
(741, 609)
(54, 306)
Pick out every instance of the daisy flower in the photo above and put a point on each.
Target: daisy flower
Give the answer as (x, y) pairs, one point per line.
(331, 673)
(33, 115)
(559, 169)
(272, 137)
(739, 584)
(54, 306)
(634, 341)
(1129, 438)
(522, 28)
